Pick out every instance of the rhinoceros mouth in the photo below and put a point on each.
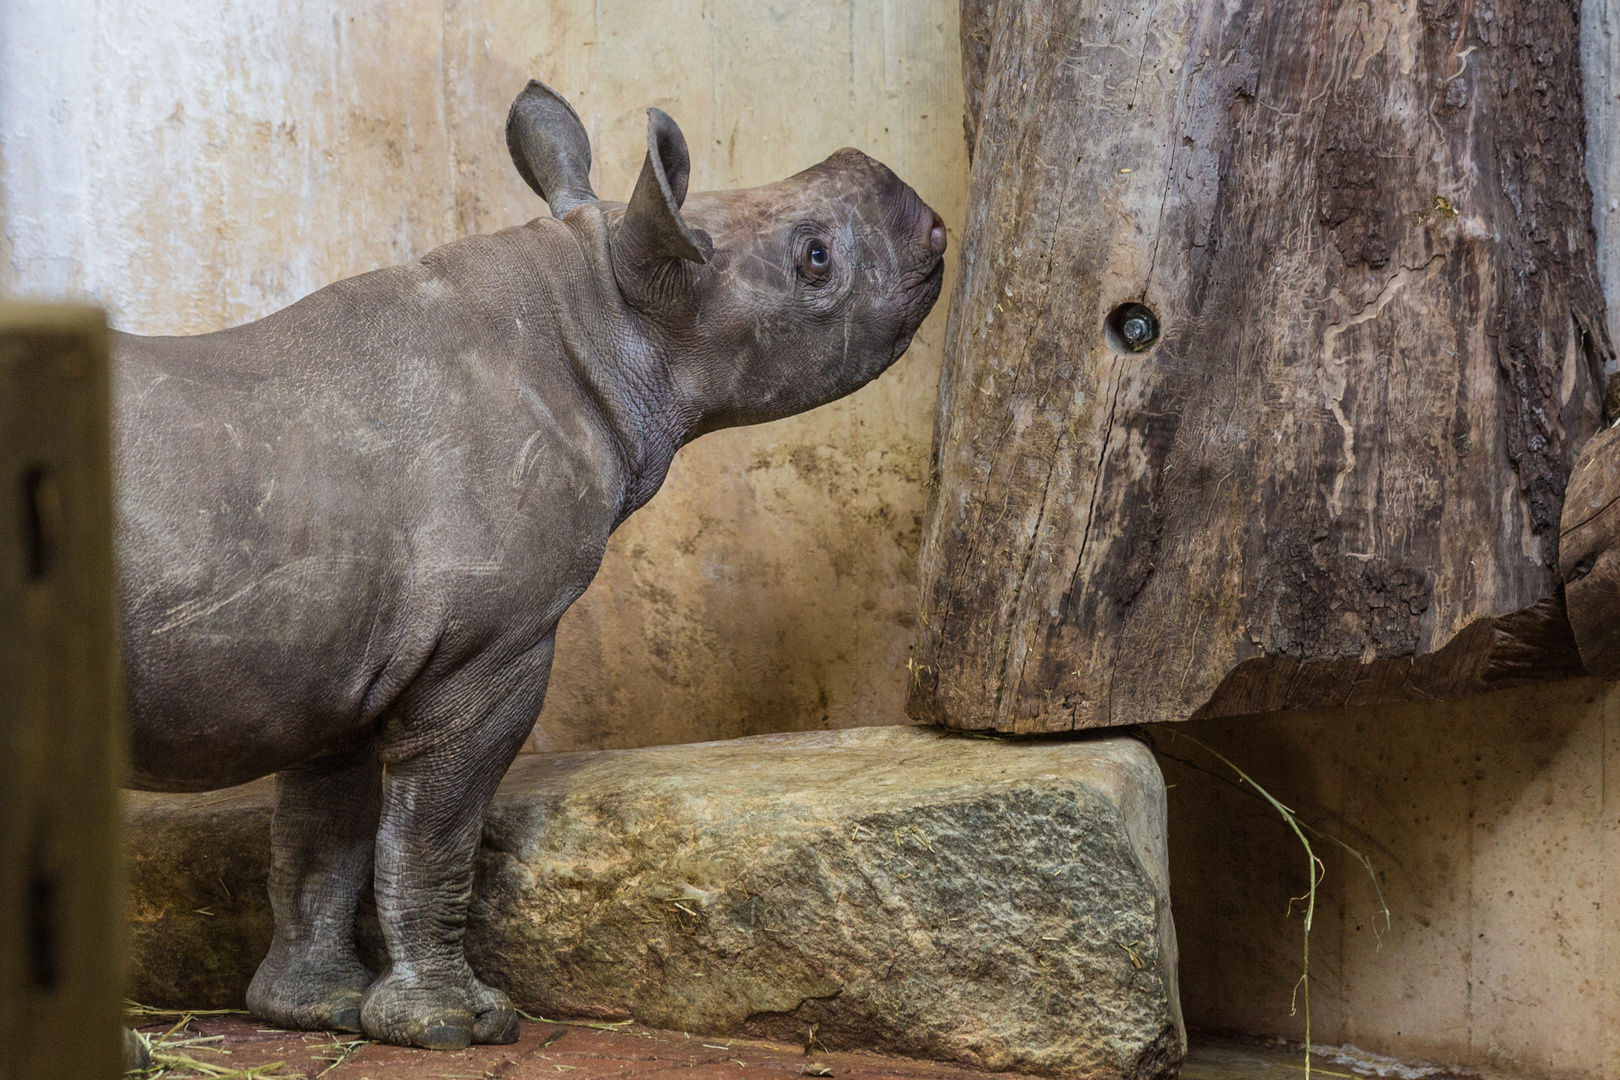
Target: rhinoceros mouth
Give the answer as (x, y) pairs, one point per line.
(927, 274)
(920, 300)
(926, 291)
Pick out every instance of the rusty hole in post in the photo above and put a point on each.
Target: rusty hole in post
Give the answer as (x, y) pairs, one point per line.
(42, 925)
(38, 517)
(1131, 328)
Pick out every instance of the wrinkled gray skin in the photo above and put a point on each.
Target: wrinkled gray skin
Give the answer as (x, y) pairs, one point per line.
(346, 532)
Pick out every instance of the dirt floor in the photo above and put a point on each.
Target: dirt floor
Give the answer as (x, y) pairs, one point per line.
(223, 1047)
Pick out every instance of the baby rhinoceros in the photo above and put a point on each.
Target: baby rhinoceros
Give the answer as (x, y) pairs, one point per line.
(346, 532)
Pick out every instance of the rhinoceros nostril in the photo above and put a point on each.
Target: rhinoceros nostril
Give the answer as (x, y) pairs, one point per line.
(936, 236)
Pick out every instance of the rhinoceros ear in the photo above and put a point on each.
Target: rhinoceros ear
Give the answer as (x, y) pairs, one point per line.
(550, 148)
(652, 232)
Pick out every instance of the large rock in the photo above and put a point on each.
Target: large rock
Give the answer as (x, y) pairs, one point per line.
(999, 903)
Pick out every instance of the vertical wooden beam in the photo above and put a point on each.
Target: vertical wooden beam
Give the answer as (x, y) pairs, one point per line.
(61, 911)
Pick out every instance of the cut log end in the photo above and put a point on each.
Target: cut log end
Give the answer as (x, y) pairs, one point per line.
(1589, 554)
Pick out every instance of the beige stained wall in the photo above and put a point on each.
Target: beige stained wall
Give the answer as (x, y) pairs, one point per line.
(192, 165)
(1493, 825)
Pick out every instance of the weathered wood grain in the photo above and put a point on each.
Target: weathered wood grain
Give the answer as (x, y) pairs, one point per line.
(1366, 231)
(61, 908)
(977, 21)
(1589, 554)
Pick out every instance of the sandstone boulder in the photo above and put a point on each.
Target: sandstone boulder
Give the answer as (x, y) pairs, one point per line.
(1000, 903)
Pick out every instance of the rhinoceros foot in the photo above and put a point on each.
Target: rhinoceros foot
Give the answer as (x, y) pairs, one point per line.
(295, 992)
(437, 1015)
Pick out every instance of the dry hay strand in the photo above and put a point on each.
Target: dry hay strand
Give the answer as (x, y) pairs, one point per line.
(1316, 870)
(168, 1061)
(134, 1009)
(602, 1025)
(343, 1049)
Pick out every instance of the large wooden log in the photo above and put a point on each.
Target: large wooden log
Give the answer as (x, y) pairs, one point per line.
(61, 908)
(1589, 554)
(1337, 476)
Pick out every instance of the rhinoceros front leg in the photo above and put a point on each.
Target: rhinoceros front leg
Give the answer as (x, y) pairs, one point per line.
(321, 842)
(433, 812)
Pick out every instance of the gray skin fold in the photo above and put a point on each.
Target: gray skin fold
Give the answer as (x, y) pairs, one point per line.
(346, 531)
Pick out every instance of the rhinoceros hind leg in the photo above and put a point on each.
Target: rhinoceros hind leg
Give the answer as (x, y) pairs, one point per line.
(321, 843)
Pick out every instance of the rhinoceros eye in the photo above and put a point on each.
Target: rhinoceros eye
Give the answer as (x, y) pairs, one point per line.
(814, 260)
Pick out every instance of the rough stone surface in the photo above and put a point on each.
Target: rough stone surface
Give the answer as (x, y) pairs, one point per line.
(199, 913)
(1003, 904)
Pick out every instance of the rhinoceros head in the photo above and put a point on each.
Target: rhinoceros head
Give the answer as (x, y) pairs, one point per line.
(765, 301)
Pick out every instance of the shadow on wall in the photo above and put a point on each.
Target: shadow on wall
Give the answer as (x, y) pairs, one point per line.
(1490, 824)
(766, 590)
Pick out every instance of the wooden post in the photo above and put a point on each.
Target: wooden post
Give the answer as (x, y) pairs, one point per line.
(1336, 472)
(61, 909)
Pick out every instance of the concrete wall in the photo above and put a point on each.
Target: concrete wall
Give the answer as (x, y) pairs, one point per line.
(1494, 826)
(1600, 73)
(194, 164)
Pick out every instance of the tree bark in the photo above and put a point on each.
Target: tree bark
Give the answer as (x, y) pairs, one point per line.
(1589, 554)
(1338, 475)
(975, 25)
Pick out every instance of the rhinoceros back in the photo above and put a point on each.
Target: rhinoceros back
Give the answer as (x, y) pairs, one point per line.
(313, 505)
